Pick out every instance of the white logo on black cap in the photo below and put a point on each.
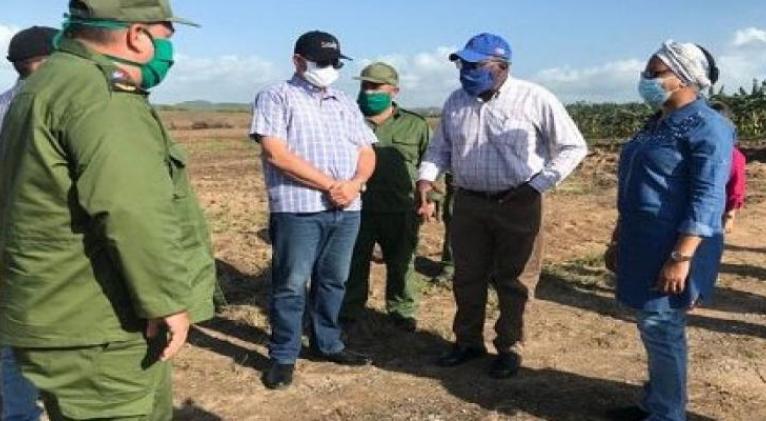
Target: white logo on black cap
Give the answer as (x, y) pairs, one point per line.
(330, 44)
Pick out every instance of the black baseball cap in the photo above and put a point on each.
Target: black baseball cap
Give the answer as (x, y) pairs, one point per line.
(318, 46)
(36, 41)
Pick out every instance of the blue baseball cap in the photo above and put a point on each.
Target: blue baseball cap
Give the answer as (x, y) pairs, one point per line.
(482, 47)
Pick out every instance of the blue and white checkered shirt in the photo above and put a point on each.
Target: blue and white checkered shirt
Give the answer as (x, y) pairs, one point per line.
(523, 134)
(7, 97)
(323, 127)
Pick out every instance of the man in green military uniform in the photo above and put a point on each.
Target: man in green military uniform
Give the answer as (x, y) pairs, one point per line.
(388, 207)
(105, 255)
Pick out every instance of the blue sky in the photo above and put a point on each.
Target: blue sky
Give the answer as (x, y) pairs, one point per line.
(581, 50)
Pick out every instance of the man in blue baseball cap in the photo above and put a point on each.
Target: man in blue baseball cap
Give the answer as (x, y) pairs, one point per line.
(506, 142)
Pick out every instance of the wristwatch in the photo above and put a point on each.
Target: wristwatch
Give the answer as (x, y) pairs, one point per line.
(676, 256)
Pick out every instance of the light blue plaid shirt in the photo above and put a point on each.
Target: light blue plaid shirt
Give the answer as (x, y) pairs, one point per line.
(323, 127)
(7, 97)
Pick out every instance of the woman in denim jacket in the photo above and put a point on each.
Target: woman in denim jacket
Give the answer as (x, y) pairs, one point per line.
(672, 183)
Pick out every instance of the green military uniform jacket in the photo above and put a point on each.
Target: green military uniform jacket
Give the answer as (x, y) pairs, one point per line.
(402, 142)
(99, 227)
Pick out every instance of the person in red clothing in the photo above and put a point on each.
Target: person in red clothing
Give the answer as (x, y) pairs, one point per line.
(736, 187)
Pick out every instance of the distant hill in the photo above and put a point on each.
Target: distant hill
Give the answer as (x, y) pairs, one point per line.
(207, 106)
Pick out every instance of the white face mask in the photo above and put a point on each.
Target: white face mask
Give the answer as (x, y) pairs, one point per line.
(320, 77)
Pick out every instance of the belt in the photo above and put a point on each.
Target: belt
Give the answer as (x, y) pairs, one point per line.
(494, 196)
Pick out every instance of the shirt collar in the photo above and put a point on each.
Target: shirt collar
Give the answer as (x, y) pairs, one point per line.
(302, 83)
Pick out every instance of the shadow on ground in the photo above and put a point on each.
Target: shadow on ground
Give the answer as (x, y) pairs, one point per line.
(545, 393)
(560, 288)
(189, 411)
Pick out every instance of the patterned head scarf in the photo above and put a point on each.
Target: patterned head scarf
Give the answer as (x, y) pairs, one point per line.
(688, 61)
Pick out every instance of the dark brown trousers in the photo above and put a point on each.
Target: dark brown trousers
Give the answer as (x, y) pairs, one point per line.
(499, 242)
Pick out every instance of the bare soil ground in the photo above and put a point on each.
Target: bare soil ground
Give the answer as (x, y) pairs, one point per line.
(583, 356)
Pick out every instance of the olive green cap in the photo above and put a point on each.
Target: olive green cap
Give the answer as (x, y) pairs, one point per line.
(380, 73)
(125, 11)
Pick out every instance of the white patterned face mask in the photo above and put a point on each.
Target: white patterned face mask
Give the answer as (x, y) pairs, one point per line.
(320, 77)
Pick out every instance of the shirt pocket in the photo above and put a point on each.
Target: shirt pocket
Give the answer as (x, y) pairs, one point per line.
(177, 164)
(408, 148)
(512, 137)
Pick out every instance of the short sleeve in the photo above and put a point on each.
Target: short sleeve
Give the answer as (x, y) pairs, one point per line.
(270, 116)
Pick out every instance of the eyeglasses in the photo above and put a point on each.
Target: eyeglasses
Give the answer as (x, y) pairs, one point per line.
(469, 65)
(335, 63)
(653, 74)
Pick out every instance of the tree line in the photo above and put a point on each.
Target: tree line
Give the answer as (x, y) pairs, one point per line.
(611, 121)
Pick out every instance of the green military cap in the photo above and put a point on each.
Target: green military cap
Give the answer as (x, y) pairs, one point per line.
(125, 11)
(380, 73)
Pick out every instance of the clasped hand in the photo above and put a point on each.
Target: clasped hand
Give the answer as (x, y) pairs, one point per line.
(343, 193)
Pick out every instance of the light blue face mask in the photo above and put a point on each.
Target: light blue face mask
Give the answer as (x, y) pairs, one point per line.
(652, 91)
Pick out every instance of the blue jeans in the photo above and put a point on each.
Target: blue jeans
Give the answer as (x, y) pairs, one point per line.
(19, 395)
(315, 246)
(664, 336)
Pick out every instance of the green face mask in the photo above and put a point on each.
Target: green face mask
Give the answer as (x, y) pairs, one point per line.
(154, 71)
(373, 103)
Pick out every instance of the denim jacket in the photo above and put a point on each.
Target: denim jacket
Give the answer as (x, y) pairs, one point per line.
(672, 180)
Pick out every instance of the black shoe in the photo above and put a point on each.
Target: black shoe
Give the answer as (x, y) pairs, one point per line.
(629, 413)
(346, 357)
(505, 365)
(279, 376)
(460, 354)
(407, 324)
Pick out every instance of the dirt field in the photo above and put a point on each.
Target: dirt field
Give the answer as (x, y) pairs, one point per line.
(583, 356)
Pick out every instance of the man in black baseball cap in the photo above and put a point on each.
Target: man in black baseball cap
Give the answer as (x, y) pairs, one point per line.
(318, 58)
(29, 49)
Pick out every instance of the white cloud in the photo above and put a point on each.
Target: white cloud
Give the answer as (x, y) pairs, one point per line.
(228, 78)
(744, 59)
(749, 36)
(7, 74)
(6, 33)
(741, 60)
(612, 81)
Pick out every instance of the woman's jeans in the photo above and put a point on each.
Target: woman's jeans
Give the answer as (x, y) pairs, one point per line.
(663, 333)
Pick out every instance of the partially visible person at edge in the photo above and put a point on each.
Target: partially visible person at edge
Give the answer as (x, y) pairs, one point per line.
(736, 187)
(389, 215)
(444, 209)
(27, 51)
(317, 157)
(506, 142)
(669, 236)
(106, 257)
